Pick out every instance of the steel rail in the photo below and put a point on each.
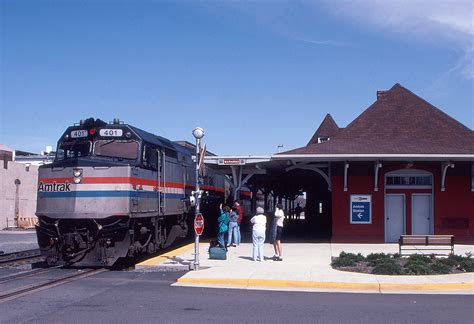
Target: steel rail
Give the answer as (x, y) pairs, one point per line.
(25, 274)
(19, 256)
(29, 289)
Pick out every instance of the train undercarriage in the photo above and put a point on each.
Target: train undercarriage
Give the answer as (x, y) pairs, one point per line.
(102, 242)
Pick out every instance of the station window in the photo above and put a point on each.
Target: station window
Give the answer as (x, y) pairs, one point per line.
(394, 181)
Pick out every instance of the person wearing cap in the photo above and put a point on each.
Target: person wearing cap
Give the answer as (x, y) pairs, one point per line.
(259, 222)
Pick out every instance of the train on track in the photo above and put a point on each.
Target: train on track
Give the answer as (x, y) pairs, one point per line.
(115, 191)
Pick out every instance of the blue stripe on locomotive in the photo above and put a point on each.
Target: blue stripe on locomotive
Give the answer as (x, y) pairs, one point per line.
(115, 194)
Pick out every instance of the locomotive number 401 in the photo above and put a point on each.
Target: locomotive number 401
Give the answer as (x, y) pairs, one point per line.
(111, 132)
(79, 133)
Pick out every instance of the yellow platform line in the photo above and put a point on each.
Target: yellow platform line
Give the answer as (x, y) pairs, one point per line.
(167, 256)
(324, 285)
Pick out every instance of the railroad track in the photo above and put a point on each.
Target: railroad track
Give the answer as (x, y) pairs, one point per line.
(25, 274)
(32, 288)
(22, 257)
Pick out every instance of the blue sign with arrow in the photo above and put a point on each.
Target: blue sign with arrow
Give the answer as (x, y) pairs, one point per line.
(361, 209)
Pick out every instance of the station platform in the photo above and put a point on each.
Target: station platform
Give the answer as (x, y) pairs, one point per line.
(305, 267)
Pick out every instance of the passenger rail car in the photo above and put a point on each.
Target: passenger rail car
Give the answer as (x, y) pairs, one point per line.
(116, 191)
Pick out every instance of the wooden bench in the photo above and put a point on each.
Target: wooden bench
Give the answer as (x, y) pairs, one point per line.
(443, 243)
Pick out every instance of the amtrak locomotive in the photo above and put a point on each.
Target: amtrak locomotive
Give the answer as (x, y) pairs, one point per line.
(115, 191)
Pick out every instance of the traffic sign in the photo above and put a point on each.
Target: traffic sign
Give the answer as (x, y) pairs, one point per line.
(199, 224)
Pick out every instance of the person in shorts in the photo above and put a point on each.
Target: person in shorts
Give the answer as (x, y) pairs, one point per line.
(276, 232)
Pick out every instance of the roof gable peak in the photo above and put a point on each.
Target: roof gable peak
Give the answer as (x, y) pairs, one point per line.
(327, 129)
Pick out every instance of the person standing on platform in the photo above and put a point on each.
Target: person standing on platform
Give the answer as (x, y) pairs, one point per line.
(298, 211)
(222, 225)
(233, 237)
(259, 222)
(240, 211)
(276, 232)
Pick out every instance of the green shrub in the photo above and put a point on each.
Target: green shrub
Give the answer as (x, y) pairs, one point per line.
(455, 259)
(439, 267)
(343, 263)
(375, 258)
(418, 266)
(452, 260)
(467, 265)
(347, 259)
(419, 258)
(387, 266)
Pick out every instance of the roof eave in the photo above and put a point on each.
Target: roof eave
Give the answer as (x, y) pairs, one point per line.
(380, 157)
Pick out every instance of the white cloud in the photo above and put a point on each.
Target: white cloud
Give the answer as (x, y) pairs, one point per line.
(321, 42)
(441, 22)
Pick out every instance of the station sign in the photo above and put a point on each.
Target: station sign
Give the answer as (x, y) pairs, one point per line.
(199, 224)
(361, 209)
(231, 162)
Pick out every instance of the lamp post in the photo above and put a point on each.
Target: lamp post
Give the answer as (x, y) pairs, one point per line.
(198, 134)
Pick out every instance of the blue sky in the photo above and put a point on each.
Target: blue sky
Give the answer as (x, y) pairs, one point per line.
(253, 74)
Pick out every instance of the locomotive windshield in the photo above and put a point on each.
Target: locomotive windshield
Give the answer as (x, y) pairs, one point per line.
(116, 149)
(75, 149)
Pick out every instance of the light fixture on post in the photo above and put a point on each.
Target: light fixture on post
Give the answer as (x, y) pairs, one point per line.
(198, 134)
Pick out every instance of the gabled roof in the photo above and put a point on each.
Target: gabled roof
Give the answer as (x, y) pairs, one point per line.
(398, 122)
(328, 128)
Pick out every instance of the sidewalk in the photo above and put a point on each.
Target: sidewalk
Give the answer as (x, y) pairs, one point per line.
(306, 267)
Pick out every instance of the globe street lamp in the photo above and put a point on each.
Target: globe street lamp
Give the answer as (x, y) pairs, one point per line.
(198, 134)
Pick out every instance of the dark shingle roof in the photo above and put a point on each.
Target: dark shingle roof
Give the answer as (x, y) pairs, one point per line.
(398, 122)
(328, 128)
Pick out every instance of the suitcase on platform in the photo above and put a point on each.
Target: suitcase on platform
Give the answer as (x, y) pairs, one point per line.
(217, 253)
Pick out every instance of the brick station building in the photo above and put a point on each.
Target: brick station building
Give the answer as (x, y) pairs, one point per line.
(401, 167)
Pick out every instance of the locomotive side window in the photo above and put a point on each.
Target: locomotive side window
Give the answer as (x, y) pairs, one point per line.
(150, 158)
(71, 150)
(116, 149)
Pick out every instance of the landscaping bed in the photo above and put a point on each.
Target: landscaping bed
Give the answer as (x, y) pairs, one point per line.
(393, 264)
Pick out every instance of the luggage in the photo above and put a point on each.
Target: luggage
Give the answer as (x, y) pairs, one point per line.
(217, 253)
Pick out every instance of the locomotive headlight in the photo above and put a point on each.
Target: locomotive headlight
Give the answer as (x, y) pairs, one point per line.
(77, 180)
(77, 172)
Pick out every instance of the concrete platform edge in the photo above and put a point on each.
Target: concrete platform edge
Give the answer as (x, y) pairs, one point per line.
(460, 288)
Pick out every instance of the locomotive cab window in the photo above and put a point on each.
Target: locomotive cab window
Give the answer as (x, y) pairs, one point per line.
(71, 150)
(116, 149)
(150, 158)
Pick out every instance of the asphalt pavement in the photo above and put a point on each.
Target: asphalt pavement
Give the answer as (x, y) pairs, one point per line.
(135, 297)
(17, 240)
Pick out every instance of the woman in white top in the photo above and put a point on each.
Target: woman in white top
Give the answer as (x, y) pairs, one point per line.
(259, 222)
(277, 230)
